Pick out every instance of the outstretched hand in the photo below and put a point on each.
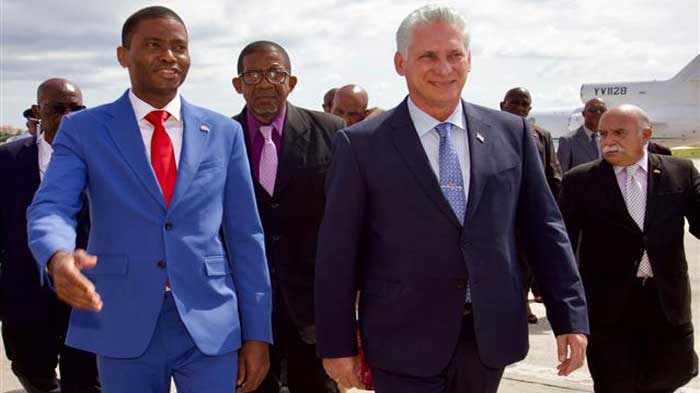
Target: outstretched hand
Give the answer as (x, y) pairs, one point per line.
(70, 284)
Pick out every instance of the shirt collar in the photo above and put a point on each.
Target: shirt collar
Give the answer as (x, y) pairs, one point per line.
(142, 108)
(642, 163)
(41, 141)
(424, 123)
(588, 132)
(254, 124)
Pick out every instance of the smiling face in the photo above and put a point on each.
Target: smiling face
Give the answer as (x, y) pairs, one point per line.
(435, 68)
(158, 59)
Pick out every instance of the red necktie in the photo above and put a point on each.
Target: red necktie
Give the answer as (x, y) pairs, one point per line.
(162, 154)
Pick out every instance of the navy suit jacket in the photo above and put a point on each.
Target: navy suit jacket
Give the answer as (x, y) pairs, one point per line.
(389, 232)
(22, 297)
(219, 279)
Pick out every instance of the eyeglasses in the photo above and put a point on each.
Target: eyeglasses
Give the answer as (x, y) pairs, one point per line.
(253, 78)
(60, 109)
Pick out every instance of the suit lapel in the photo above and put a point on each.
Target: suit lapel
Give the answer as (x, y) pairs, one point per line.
(407, 142)
(480, 157)
(584, 143)
(614, 196)
(126, 134)
(656, 170)
(194, 141)
(294, 144)
(30, 160)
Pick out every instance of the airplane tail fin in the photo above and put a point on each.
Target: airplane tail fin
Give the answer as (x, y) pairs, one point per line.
(689, 72)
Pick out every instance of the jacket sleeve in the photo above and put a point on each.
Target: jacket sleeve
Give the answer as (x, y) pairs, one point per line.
(243, 235)
(547, 247)
(552, 167)
(338, 252)
(564, 154)
(693, 210)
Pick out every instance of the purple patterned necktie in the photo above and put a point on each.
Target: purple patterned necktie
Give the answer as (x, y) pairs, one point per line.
(268, 161)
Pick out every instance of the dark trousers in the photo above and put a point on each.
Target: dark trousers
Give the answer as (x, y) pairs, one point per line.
(304, 371)
(464, 374)
(35, 349)
(642, 351)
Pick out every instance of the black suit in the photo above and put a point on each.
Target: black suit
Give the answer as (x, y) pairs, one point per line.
(637, 327)
(552, 169)
(658, 148)
(291, 218)
(34, 320)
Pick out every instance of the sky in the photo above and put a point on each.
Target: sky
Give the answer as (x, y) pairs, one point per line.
(549, 46)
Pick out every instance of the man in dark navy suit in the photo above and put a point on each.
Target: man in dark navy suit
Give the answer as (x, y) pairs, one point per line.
(423, 203)
(34, 320)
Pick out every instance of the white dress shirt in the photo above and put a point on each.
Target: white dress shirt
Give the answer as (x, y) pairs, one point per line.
(173, 126)
(429, 137)
(45, 151)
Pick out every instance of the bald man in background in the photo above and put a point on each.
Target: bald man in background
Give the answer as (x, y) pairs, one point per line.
(34, 320)
(350, 103)
(328, 100)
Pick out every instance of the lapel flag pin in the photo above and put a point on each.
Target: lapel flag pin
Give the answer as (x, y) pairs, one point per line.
(657, 171)
(204, 128)
(480, 137)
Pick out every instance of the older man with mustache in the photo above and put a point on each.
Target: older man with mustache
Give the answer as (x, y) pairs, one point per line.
(628, 213)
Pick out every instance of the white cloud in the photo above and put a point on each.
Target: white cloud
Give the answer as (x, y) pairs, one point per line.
(548, 46)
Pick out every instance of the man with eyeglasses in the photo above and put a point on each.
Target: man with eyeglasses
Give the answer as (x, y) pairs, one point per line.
(583, 145)
(34, 320)
(289, 150)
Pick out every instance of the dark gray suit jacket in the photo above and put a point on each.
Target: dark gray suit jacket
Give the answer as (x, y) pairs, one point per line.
(575, 149)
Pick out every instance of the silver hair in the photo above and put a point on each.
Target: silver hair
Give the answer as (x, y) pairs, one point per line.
(431, 13)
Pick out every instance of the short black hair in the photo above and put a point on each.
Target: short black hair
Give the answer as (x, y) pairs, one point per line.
(154, 12)
(263, 46)
(28, 113)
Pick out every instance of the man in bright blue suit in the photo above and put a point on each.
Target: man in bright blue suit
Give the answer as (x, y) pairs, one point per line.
(174, 282)
(423, 204)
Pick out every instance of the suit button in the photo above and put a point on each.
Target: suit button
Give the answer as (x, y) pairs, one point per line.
(274, 205)
(162, 264)
(461, 284)
(275, 238)
(168, 226)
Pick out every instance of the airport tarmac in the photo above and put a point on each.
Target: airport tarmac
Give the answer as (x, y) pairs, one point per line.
(535, 374)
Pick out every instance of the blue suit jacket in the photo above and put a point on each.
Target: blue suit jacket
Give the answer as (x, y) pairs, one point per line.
(389, 232)
(219, 278)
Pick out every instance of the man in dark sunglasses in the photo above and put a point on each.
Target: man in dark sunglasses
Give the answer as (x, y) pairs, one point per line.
(34, 320)
(56, 97)
(583, 145)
